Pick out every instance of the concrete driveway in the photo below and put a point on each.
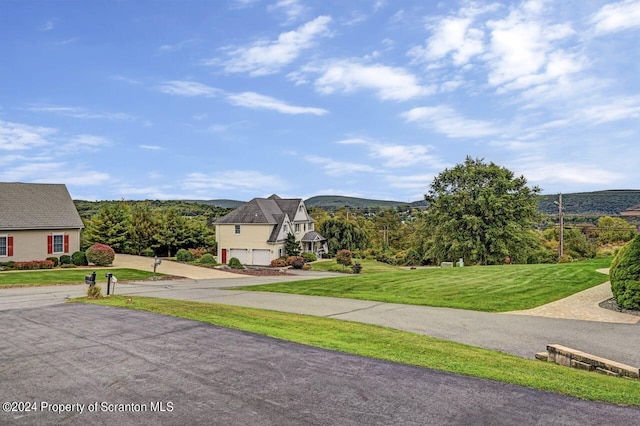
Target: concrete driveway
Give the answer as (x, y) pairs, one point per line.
(83, 364)
(169, 267)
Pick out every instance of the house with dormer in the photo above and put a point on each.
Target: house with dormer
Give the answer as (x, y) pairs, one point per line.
(255, 233)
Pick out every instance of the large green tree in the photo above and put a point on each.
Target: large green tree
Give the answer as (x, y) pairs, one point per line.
(109, 226)
(614, 230)
(143, 227)
(342, 234)
(480, 212)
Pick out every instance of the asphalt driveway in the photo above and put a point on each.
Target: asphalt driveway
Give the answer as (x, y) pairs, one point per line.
(80, 364)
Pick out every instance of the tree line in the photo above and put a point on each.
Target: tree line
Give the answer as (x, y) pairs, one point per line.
(478, 211)
(144, 229)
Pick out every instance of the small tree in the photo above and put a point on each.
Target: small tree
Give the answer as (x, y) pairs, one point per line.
(625, 275)
(291, 246)
(343, 257)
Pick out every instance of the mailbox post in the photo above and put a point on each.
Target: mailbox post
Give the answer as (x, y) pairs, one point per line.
(156, 263)
(108, 275)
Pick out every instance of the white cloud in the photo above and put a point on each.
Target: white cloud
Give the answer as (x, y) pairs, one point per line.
(293, 9)
(615, 109)
(568, 173)
(389, 83)
(268, 57)
(525, 49)
(17, 137)
(168, 48)
(152, 147)
(413, 182)
(188, 88)
(402, 155)
(230, 180)
(337, 168)
(87, 142)
(78, 112)
(258, 101)
(55, 172)
(451, 36)
(618, 16)
(395, 156)
(48, 26)
(445, 120)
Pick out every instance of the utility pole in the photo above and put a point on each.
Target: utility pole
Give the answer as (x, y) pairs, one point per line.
(561, 215)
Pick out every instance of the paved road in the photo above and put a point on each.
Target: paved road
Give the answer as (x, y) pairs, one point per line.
(516, 334)
(83, 354)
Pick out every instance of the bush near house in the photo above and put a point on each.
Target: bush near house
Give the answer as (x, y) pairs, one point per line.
(278, 263)
(65, 259)
(79, 258)
(54, 260)
(208, 259)
(100, 255)
(625, 275)
(185, 256)
(343, 257)
(234, 263)
(309, 256)
(33, 265)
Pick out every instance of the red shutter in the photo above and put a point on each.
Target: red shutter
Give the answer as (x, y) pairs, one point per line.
(10, 246)
(49, 244)
(66, 243)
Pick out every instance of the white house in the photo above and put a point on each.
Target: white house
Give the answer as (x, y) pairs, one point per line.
(255, 233)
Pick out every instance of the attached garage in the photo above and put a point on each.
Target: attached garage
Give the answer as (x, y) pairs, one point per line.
(261, 257)
(241, 254)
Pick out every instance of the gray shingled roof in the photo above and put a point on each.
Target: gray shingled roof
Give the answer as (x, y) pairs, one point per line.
(258, 211)
(312, 236)
(37, 206)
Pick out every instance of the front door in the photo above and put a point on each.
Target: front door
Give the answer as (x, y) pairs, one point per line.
(224, 256)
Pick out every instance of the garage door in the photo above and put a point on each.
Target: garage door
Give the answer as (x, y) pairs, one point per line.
(261, 257)
(241, 254)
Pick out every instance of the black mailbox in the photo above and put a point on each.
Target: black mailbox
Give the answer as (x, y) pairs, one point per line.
(90, 279)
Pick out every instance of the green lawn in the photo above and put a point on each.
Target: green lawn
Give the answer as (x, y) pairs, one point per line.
(500, 288)
(67, 276)
(368, 266)
(393, 345)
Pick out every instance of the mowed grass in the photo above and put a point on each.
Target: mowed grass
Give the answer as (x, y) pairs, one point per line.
(67, 276)
(500, 288)
(393, 345)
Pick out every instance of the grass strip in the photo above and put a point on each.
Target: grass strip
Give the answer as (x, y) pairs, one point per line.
(499, 288)
(393, 345)
(68, 276)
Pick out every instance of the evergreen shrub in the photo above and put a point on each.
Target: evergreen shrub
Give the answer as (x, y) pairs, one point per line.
(625, 275)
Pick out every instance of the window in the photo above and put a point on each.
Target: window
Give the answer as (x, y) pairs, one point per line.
(4, 245)
(237, 229)
(311, 226)
(285, 229)
(58, 243)
(297, 228)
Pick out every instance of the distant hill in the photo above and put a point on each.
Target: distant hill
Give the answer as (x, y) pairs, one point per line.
(597, 203)
(225, 204)
(334, 202)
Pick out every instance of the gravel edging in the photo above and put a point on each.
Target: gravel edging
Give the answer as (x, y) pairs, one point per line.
(612, 305)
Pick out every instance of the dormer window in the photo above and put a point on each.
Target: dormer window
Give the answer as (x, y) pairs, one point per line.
(237, 229)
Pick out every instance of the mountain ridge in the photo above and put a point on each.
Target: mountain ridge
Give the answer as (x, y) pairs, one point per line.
(604, 202)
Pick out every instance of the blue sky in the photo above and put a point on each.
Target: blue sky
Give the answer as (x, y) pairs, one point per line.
(238, 99)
